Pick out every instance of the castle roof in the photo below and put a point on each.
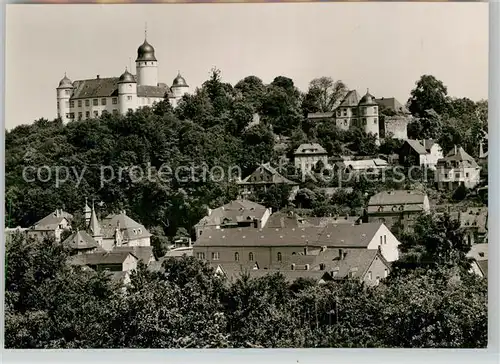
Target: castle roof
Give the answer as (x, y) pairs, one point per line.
(368, 99)
(145, 52)
(108, 87)
(179, 81)
(127, 77)
(80, 240)
(65, 82)
(351, 99)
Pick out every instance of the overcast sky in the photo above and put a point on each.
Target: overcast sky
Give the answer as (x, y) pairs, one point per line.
(381, 46)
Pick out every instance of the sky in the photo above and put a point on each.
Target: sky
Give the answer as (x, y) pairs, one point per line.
(383, 47)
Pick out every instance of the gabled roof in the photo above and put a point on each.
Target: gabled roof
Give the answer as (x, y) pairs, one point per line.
(108, 87)
(364, 164)
(179, 252)
(113, 257)
(284, 220)
(397, 197)
(351, 99)
(345, 235)
(129, 228)
(52, 220)
(97, 87)
(233, 212)
(143, 253)
(80, 240)
(416, 146)
(310, 148)
(392, 104)
(355, 263)
(341, 235)
(276, 177)
(458, 154)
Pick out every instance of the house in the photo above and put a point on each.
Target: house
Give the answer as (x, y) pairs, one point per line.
(121, 230)
(474, 221)
(396, 120)
(367, 266)
(479, 256)
(425, 153)
(237, 213)
(268, 247)
(397, 206)
(374, 166)
(263, 178)
(457, 168)
(80, 242)
(51, 226)
(306, 156)
(116, 261)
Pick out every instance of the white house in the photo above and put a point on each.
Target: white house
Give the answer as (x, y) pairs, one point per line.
(308, 155)
(457, 168)
(51, 226)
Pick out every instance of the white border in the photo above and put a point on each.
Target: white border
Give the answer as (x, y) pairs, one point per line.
(308, 355)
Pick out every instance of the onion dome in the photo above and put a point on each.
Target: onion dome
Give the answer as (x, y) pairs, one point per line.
(65, 82)
(127, 77)
(145, 52)
(179, 81)
(367, 99)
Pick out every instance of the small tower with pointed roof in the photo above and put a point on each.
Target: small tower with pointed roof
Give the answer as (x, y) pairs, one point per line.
(64, 91)
(146, 63)
(94, 227)
(179, 86)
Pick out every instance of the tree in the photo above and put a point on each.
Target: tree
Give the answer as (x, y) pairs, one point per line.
(429, 94)
(324, 95)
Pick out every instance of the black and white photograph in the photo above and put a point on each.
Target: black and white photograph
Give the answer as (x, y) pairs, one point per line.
(246, 176)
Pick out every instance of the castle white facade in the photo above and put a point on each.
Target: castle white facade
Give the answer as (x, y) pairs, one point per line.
(90, 98)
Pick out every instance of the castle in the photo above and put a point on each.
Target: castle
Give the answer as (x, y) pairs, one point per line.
(363, 112)
(86, 99)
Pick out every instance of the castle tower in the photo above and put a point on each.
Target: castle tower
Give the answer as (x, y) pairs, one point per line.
(368, 111)
(87, 213)
(94, 227)
(179, 88)
(64, 91)
(127, 92)
(146, 64)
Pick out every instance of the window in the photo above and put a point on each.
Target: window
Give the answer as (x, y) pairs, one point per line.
(370, 276)
(130, 110)
(71, 115)
(457, 175)
(467, 175)
(344, 112)
(381, 237)
(115, 100)
(338, 113)
(215, 255)
(115, 112)
(364, 121)
(236, 257)
(67, 116)
(129, 98)
(79, 103)
(87, 102)
(87, 114)
(250, 257)
(67, 92)
(446, 175)
(200, 255)
(58, 104)
(374, 109)
(80, 115)
(385, 239)
(279, 257)
(103, 102)
(375, 121)
(95, 102)
(71, 104)
(345, 122)
(96, 113)
(386, 273)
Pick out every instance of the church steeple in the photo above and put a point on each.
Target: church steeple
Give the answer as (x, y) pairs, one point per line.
(94, 226)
